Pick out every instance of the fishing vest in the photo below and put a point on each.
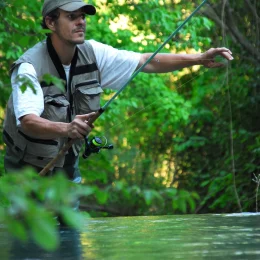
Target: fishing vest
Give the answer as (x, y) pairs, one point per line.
(81, 95)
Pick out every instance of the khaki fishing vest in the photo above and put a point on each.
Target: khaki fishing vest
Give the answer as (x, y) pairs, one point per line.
(81, 96)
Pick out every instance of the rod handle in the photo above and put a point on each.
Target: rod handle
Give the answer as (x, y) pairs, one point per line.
(68, 145)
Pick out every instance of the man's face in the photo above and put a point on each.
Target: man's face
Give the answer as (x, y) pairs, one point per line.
(71, 26)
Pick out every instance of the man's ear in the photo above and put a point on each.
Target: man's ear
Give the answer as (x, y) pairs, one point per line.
(50, 23)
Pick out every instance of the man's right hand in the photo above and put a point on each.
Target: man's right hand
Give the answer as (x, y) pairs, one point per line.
(79, 127)
(38, 127)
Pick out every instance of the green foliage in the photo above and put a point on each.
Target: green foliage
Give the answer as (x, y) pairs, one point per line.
(125, 200)
(189, 129)
(30, 204)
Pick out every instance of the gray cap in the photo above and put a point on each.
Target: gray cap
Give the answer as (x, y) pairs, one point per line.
(67, 5)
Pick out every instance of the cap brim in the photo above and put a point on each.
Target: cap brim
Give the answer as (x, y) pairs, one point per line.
(70, 7)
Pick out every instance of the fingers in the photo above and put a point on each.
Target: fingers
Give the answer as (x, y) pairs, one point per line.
(224, 52)
(80, 126)
(216, 65)
(87, 116)
(227, 54)
(90, 124)
(224, 49)
(79, 131)
(213, 64)
(210, 56)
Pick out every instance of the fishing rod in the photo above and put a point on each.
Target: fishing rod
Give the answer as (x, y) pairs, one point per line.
(97, 114)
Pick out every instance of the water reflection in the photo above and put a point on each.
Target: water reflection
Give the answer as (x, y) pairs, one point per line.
(230, 236)
(70, 248)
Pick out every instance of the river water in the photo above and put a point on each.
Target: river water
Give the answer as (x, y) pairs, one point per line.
(189, 237)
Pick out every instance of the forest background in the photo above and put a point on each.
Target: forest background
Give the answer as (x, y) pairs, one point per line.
(184, 142)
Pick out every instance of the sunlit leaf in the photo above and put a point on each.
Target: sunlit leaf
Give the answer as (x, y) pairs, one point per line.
(73, 218)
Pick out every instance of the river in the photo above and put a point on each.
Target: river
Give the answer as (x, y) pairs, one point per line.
(189, 237)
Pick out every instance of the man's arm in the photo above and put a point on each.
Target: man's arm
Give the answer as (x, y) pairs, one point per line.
(163, 63)
(38, 127)
(28, 107)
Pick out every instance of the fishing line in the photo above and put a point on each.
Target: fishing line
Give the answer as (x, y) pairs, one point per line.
(233, 166)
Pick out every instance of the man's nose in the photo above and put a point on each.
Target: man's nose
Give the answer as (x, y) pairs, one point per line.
(81, 20)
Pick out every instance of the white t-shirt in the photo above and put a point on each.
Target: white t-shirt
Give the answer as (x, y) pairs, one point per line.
(116, 67)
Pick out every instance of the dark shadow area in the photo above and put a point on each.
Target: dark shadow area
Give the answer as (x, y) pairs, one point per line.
(70, 248)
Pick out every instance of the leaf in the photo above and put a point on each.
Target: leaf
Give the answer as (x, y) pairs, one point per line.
(18, 229)
(205, 183)
(171, 192)
(81, 190)
(24, 41)
(148, 196)
(182, 205)
(101, 196)
(50, 79)
(73, 218)
(25, 83)
(191, 203)
(44, 230)
(119, 185)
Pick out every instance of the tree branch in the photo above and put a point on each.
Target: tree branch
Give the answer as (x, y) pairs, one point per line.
(212, 14)
(257, 22)
(253, 10)
(231, 26)
(100, 208)
(242, 40)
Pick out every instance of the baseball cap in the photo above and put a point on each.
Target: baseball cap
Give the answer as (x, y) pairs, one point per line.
(67, 5)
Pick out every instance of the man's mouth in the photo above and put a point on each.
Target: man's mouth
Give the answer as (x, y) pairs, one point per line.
(79, 30)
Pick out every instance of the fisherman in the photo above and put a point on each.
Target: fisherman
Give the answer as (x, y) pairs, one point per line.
(38, 125)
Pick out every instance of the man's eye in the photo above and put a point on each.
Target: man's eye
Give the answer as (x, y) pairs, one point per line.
(74, 16)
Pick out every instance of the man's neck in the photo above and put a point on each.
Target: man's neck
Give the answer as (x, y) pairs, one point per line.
(64, 51)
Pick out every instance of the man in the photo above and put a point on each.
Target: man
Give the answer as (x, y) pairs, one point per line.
(37, 126)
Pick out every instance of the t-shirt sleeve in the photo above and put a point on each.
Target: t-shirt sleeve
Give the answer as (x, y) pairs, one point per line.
(27, 102)
(116, 66)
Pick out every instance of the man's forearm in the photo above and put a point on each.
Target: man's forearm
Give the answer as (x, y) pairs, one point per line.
(163, 63)
(38, 127)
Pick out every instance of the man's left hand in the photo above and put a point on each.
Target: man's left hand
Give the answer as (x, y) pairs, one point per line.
(208, 57)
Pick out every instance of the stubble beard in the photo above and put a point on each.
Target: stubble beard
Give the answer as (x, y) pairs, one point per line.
(70, 40)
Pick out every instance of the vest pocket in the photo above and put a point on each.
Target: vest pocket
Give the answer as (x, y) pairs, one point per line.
(87, 97)
(56, 108)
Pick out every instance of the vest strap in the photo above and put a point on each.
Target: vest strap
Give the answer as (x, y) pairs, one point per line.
(85, 69)
(38, 141)
(10, 140)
